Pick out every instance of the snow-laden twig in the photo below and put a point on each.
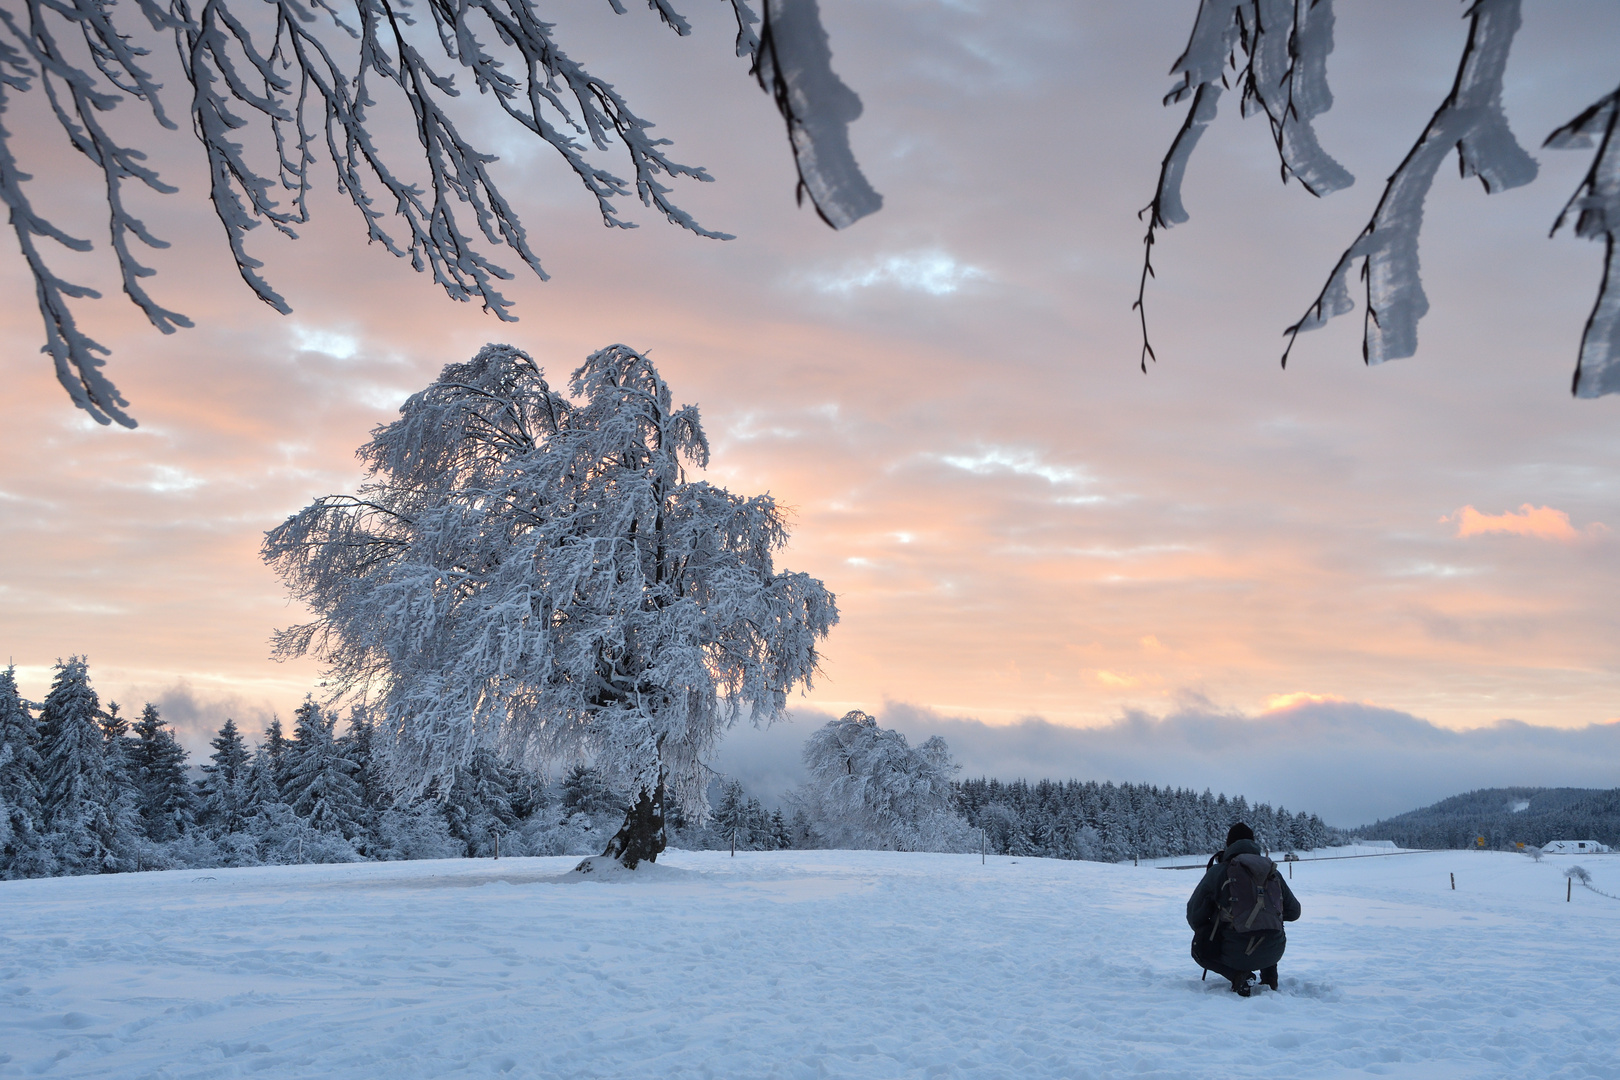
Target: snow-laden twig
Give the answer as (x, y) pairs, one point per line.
(794, 65)
(1470, 121)
(1286, 45)
(1596, 209)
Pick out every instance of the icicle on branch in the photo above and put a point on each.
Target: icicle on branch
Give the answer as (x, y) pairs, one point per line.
(793, 64)
(1471, 121)
(1286, 45)
(1596, 209)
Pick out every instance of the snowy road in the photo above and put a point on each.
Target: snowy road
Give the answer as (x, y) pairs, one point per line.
(801, 964)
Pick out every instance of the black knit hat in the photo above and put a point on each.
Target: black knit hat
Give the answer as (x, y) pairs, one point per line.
(1238, 832)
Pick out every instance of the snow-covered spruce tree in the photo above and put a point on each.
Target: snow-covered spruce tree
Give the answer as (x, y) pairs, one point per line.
(869, 788)
(538, 576)
(320, 783)
(23, 852)
(299, 77)
(781, 835)
(585, 792)
(477, 804)
(1276, 52)
(89, 814)
(158, 768)
(223, 799)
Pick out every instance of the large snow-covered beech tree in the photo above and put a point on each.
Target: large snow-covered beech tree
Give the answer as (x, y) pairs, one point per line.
(538, 576)
(869, 788)
(312, 80)
(1276, 52)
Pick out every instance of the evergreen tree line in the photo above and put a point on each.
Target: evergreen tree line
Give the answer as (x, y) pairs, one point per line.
(83, 791)
(1107, 822)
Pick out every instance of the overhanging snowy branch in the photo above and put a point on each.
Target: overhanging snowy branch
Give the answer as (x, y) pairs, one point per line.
(301, 75)
(1470, 121)
(1596, 209)
(1286, 45)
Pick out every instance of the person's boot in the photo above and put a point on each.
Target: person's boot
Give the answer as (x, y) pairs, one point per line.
(1241, 989)
(1269, 976)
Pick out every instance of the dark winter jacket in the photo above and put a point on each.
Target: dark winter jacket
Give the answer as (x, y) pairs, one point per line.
(1235, 952)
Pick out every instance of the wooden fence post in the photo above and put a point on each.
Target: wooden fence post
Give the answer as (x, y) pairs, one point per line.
(1569, 889)
(1454, 882)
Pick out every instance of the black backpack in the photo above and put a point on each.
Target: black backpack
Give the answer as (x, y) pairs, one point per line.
(1249, 898)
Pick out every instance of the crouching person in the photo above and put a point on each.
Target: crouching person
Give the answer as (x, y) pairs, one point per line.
(1237, 913)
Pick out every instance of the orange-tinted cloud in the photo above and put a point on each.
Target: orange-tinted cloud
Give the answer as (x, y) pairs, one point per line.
(1539, 521)
(1279, 702)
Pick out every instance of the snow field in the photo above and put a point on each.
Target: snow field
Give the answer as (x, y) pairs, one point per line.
(800, 964)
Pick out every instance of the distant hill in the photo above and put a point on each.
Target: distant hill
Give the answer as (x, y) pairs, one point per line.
(1506, 816)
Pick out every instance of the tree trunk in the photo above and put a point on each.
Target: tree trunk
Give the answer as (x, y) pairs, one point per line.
(642, 834)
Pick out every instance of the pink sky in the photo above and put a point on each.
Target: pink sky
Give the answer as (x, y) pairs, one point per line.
(1016, 521)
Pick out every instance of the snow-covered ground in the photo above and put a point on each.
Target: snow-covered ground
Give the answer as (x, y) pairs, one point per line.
(801, 964)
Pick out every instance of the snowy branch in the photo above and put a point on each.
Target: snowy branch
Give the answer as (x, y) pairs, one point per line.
(1596, 209)
(1286, 43)
(308, 76)
(1471, 121)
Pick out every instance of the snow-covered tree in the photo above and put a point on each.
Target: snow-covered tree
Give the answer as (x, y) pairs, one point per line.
(781, 834)
(23, 852)
(477, 802)
(303, 80)
(320, 783)
(223, 796)
(357, 745)
(539, 576)
(1276, 52)
(88, 810)
(731, 816)
(869, 788)
(158, 768)
(585, 792)
(270, 764)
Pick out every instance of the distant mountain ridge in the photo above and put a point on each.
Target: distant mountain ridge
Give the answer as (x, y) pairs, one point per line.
(1507, 816)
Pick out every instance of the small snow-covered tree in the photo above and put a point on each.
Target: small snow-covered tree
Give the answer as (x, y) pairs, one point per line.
(320, 783)
(1276, 53)
(781, 835)
(538, 576)
(869, 788)
(303, 78)
(477, 805)
(585, 792)
(88, 810)
(158, 768)
(22, 850)
(223, 798)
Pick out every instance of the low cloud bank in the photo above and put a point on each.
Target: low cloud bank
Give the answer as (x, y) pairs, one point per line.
(1348, 762)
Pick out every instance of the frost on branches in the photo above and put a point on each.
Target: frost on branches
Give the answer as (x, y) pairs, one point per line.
(869, 788)
(537, 576)
(270, 88)
(1279, 51)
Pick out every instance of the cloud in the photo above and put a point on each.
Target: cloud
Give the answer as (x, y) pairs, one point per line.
(1277, 702)
(932, 272)
(1350, 762)
(338, 346)
(197, 715)
(1538, 521)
